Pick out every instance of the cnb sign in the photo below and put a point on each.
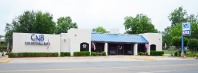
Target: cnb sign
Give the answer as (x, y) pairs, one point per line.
(186, 29)
(37, 39)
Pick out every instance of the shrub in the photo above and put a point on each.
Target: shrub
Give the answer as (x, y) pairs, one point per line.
(33, 54)
(76, 53)
(197, 56)
(157, 53)
(191, 54)
(178, 53)
(6, 53)
(175, 54)
(82, 53)
(103, 53)
(10, 55)
(146, 53)
(85, 53)
(192, 44)
(93, 54)
(62, 54)
(140, 53)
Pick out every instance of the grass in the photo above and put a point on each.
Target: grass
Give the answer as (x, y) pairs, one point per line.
(169, 51)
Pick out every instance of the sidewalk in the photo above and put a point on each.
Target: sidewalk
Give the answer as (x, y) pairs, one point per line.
(4, 59)
(93, 59)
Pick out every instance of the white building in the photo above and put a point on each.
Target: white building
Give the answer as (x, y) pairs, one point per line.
(2, 39)
(83, 40)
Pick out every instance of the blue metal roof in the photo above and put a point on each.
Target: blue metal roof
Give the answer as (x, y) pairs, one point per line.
(99, 37)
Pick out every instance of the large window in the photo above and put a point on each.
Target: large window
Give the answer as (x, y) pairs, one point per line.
(84, 46)
(141, 48)
(97, 47)
(153, 47)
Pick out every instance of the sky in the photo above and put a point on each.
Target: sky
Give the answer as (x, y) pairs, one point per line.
(89, 14)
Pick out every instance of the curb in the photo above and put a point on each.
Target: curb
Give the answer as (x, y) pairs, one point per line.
(145, 59)
(5, 61)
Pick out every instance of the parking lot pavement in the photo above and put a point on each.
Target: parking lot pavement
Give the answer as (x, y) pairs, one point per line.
(93, 59)
(4, 59)
(161, 66)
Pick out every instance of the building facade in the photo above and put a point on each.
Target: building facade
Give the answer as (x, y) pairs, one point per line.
(2, 39)
(84, 40)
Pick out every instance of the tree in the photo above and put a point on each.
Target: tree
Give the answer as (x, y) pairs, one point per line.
(177, 29)
(176, 41)
(64, 24)
(139, 24)
(44, 24)
(9, 31)
(166, 36)
(8, 37)
(177, 16)
(33, 22)
(194, 25)
(99, 29)
(2, 47)
(30, 22)
(193, 45)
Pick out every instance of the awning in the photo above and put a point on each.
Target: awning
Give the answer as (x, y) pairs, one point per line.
(126, 38)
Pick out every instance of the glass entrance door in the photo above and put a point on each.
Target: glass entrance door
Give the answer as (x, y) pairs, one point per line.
(120, 49)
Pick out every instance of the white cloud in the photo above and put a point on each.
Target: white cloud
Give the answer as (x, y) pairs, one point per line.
(92, 13)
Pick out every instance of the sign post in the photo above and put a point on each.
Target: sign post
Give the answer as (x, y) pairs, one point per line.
(186, 31)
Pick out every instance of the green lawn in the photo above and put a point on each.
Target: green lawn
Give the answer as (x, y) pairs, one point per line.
(169, 52)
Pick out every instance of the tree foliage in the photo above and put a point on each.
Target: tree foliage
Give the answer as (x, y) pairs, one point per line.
(44, 23)
(193, 45)
(3, 47)
(64, 24)
(138, 24)
(37, 22)
(166, 38)
(177, 17)
(30, 22)
(176, 41)
(100, 29)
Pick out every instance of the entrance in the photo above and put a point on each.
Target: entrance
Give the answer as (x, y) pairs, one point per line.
(141, 48)
(120, 49)
(128, 49)
(97, 47)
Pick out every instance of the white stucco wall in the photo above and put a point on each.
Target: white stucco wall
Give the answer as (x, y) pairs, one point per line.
(154, 38)
(64, 42)
(78, 36)
(19, 45)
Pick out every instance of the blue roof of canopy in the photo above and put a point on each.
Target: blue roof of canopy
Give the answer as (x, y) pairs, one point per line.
(126, 38)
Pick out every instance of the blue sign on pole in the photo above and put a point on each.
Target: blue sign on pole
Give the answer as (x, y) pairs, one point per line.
(186, 31)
